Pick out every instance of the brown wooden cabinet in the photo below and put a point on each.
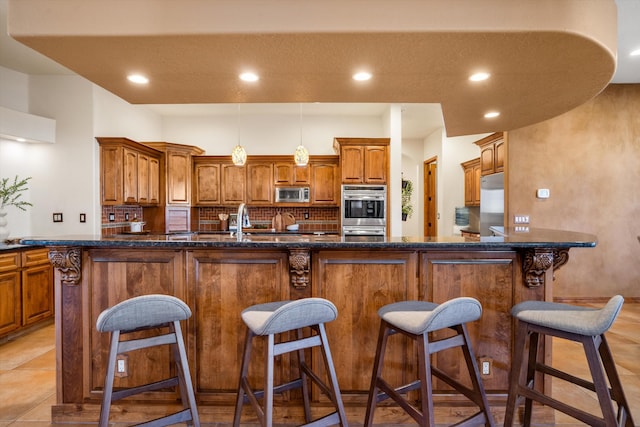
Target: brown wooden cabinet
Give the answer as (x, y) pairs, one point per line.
(492, 152)
(233, 184)
(325, 184)
(472, 182)
(288, 173)
(26, 289)
(363, 160)
(129, 172)
(206, 181)
(260, 183)
(177, 170)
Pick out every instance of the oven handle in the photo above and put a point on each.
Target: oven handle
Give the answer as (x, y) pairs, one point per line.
(350, 197)
(364, 232)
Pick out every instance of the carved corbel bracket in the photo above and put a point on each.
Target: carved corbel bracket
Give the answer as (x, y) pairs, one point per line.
(537, 261)
(69, 262)
(299, 267)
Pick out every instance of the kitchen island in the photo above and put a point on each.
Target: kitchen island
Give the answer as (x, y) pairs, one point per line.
(218, 276)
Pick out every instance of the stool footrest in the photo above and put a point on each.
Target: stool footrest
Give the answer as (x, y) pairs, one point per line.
(121, 394)
(328, 420)
(546, 369)
(259, 394)
(576, 413)
(178, 417)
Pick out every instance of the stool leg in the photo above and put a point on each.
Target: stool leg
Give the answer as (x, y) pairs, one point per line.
(624, 412)
(268, 382)
(599, 381)
(531, 376)
(184, 375)
(108, 380)
(243, 378)
(516, 373)
(333, 378)
(426, 384)
(377, 372)
(302, 365)
(480, 397)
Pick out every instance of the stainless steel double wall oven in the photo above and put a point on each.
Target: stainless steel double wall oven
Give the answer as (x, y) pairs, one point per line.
(364, 210)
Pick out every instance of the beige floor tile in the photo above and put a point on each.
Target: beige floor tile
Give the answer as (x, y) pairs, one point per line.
(19, 393)
(46, 362)
(26, 348)
(41, 412)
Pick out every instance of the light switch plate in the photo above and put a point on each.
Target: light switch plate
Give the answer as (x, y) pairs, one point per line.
(543, 193)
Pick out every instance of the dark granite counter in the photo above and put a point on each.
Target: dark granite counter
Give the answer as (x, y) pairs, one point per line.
(553, 239)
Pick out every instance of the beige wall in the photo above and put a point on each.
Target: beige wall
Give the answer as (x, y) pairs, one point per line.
(589, 158)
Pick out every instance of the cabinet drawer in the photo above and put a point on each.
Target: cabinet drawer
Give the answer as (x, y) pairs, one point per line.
(35, 257)
(9, 261)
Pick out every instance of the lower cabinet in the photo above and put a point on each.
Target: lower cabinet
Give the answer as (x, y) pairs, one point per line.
(26, 289)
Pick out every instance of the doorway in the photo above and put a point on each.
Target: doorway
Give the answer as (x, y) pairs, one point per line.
(430, 169)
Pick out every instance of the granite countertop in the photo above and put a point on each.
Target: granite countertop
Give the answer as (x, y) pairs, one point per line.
(511, 239)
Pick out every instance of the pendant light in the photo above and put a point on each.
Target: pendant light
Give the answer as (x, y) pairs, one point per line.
(238, 154)
(301, 155)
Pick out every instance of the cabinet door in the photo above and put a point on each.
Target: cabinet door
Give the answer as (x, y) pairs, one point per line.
(178, 178)
(488, 278)
(375, 164)
(143, 178)
(37, 293)
(373, 281)
(10, 298)
(477, 176)
(130, 176)
(352, 162)
(223, 284)
(154, 181)
(324, 184)
(111, 175)
(486, 160)
(468, 187)
(259, 183)
(234, 183)
(283, 173)
(300, 175)
(206, 184)
(498, 157)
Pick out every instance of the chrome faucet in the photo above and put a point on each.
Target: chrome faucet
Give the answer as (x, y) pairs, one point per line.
(241, 212)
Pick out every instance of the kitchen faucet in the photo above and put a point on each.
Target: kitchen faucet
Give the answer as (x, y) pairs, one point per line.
(241, 212)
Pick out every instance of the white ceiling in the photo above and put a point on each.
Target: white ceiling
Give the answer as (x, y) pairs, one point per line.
(418, 119)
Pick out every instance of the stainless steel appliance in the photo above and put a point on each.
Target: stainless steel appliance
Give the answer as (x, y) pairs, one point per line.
(491, 203)
(364, 210)
(292, 194)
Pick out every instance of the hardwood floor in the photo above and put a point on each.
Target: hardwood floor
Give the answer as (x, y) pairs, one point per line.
(27, 374)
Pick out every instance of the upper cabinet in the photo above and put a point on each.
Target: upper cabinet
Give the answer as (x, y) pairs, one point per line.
(129, 172)
(363, 160)
(206, 182)
(492, 152)
(178, 170)
(325, 183)
(472, 182)
(260, 183)
(288, 173)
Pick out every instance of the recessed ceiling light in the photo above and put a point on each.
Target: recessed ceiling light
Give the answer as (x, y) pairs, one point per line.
(249, 77)
(21, 139)
(138, 79)
(478, 77)
(635, 53)
(362, 76)
(491, 114)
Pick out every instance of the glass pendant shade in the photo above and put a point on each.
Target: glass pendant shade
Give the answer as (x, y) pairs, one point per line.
(238, 155)
(301, 156)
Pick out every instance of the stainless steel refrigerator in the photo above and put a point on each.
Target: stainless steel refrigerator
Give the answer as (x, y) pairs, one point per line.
(491, 204)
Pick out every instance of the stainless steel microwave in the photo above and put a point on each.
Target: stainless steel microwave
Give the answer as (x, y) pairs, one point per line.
(292, 194)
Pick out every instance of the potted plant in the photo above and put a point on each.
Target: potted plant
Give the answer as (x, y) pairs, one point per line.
(10, 194)
(407, 192)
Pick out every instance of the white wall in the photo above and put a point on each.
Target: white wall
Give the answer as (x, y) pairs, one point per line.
(412, 169)
(276, 134)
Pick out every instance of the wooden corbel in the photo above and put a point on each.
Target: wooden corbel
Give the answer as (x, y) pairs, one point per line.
(299, 267)
(69, 262)
(537, 261)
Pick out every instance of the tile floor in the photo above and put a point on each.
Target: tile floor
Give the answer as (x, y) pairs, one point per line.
(27, 373)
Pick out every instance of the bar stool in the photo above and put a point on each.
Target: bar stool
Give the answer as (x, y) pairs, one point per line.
(415, 319)
(270, 319)
(143, 313)
(580, 324)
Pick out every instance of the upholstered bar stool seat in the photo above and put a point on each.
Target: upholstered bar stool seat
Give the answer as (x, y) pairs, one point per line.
(415, 320)
(141, 313)
(275, 318)
(580, 324)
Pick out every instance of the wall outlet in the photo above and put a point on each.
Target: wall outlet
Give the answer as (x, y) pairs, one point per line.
(306, 215)
(543, 193)
(122, 366)
(486, 367)
(521, 219)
